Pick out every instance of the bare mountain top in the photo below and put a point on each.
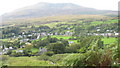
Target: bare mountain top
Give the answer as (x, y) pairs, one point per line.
(51, 9)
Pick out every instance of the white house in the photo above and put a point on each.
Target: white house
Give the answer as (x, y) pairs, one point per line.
(70, 42)
(98, 29)
(116, 34)
(1, 46)
(10, 48)
(19, 51)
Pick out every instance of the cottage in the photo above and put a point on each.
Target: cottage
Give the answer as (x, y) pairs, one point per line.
(43, 34)
(116, 34)
(68, 33)
(98, 29)
(42, 50)
(70, 42)
(10, 48)
(20, 36)
(24, 40)
(110, 34)
(1, 53)
(19, 51)
(55, 33)
(1, 46)
(30, 35)
(38, 36)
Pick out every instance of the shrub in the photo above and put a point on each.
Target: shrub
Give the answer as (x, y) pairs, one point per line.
(49, 53)
(57, 48)
(58, 57)
(43, 57)
(74, 60)
(4, 57)
(90, 58)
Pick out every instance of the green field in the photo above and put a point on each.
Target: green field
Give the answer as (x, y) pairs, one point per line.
(34, 50)
(27, 61)
(75, 41)
(61, 36)
(4, 39)
(109, 40)
(106, 22)
(105, 39)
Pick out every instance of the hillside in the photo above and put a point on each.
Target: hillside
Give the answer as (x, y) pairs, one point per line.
(52, 9)
(52, 19)
(60, 34)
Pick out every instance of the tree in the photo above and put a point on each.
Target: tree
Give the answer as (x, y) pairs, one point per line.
(56, 47)
(65, 42)
(73, 48)
(51, 40)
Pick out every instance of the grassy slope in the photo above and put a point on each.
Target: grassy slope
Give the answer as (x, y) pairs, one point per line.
(106, 22)
(51, 19)
(27, 61)
(109, 40)
(60, 36)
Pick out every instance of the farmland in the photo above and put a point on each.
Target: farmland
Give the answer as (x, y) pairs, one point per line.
(72, 40)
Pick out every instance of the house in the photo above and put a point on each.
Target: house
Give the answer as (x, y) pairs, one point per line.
(19, 51)
(1, 46)
(10, 48)
(42, 50)
(5, 49)
(20, 36)
(23, 46)
(68, 28)
(27, 43)
(51, 33)
(1, 53)
(98, 29)
(43, 34)
(55, 33)
(68, 33)
(30, 35)
(70, 42)
(110, 34)
(48, 34)
(24, 40)
(107, 30)
(23, 32)
(38, 36)
(116, 34)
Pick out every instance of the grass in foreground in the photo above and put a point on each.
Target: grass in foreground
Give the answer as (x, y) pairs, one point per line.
(28, 61)
(109, 40)
(61, 36)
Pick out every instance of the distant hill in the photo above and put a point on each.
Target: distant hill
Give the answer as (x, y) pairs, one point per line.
(52, 9)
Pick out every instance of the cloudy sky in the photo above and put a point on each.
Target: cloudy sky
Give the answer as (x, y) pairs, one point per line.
(11, 5)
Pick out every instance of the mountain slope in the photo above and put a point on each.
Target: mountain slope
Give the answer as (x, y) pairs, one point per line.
(51, 9)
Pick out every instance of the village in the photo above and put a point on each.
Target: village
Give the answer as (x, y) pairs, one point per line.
(25, 38)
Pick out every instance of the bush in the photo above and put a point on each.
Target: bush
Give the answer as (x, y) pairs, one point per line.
(9, 52)
(57, 48)
(73, 48)
(57, 57)
(43, 57)
(74, 60)
(4, 57)
(49, 53)
(90, 58)
(16, 54)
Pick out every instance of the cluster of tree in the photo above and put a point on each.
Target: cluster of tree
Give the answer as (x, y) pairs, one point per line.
(10, 31)
(78, 28)
(94, 57)
(16, 44)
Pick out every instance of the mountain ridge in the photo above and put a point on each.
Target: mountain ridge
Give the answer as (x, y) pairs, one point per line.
(43, 9)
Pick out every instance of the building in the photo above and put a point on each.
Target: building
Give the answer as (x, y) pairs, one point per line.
(19, 51)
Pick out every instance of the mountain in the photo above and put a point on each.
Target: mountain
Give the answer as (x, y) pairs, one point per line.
(51, 9)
